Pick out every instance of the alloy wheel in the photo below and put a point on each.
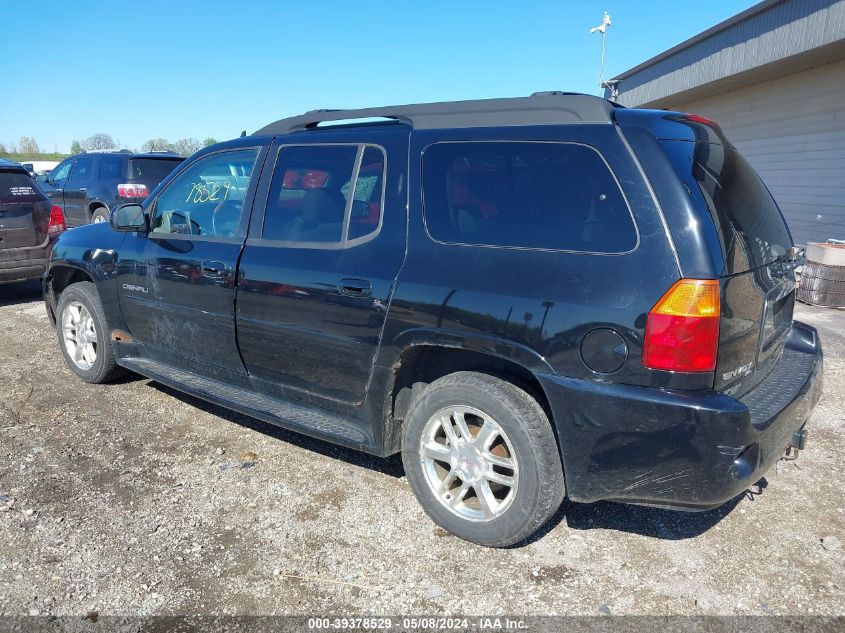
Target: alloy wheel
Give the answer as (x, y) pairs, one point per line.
(469, 463)
(79, 335)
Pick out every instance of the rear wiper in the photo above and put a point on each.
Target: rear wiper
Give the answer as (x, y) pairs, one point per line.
(790, 261)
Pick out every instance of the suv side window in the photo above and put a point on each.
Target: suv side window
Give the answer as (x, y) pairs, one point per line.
(365, 214)
(207, 198)
(59, 175)
(111, 167)
(312, 199)
(81, 172)
(536, 195)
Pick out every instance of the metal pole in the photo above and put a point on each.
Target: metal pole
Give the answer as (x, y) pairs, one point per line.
(602, 28)
(601, 71)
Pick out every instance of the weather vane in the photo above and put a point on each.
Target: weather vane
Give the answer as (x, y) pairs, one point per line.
(602, 28)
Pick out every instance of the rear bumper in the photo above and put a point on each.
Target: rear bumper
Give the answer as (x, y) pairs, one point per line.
(30, 267)
(687, 450)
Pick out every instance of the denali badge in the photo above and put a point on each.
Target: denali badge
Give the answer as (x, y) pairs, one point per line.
(135, 288)
(745, 370)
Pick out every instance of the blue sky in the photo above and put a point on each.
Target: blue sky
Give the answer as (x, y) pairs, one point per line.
(148, 68)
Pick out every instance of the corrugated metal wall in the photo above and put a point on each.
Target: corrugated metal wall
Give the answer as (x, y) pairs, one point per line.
(780, 31)
(792, 130)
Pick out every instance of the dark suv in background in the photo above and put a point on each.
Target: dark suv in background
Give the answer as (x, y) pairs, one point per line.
(88, 185)
(527, 297)
(29, 225)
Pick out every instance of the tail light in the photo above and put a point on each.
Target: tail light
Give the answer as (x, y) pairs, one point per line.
(57, 220)
(682, 330)
(697, 118)
(132, 190)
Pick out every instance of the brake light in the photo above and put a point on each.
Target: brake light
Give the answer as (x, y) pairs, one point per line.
(132, 190)
(57, 220)
(682, 330)
(697, 118)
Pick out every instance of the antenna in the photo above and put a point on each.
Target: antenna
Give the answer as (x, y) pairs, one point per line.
(602, 28)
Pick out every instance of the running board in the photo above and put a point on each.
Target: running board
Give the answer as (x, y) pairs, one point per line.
(302, 419)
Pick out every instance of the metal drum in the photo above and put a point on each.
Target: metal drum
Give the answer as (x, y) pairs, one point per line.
(823, 278)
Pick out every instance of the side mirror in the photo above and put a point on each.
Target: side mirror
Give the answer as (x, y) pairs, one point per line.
(129, 218)
(41, 178)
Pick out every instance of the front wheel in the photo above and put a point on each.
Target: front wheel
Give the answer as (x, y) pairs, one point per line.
(83, 334)
(482, 459)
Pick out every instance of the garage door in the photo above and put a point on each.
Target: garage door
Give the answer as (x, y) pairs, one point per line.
(792, 130)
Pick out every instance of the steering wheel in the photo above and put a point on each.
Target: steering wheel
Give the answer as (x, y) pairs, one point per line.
(225, 218)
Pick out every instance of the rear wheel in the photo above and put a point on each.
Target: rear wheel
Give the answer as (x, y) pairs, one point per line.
(83, 334)
(100, 214)
(482, 459)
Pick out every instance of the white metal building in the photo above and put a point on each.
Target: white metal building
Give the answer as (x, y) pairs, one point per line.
(774, 78)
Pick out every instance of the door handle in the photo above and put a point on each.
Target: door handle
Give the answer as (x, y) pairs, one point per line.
(355, 287)
(214, 269)
(83, 188)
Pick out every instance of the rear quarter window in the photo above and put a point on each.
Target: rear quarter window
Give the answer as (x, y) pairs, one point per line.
(534, 195)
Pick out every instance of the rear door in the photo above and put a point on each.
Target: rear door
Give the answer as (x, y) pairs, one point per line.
(24, 211)
(76, 191)
(318, 269)
(758, 283)
(177, 283)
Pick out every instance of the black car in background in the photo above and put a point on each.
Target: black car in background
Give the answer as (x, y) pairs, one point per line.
(88, 185)
(28, 224)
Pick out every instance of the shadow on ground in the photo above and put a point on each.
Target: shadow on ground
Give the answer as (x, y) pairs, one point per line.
(391, 466)
(652, 522)
(20, 292)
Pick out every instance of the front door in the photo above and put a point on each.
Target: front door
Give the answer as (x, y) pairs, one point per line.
(76, 191)
(177, 282)
(53, 188)
(318, 272)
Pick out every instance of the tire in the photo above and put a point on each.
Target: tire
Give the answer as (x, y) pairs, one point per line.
(513, 512)
(100, 214)
(104, 367)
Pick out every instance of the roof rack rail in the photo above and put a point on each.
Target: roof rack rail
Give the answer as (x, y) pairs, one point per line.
(541, 108)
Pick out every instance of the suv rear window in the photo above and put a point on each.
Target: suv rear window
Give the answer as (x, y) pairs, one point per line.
(554, 196)
(16, 186)
(152, 168)
(748, 219)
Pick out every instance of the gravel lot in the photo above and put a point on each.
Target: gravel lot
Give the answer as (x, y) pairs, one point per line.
(133, 499)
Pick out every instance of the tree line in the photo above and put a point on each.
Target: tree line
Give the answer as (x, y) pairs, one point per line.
(182, 146)
(27, 145)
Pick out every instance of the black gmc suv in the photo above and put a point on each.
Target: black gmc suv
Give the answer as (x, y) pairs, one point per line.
(88, 185)
(527, 297)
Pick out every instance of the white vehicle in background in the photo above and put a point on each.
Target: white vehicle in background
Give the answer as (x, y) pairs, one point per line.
(35, 167)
